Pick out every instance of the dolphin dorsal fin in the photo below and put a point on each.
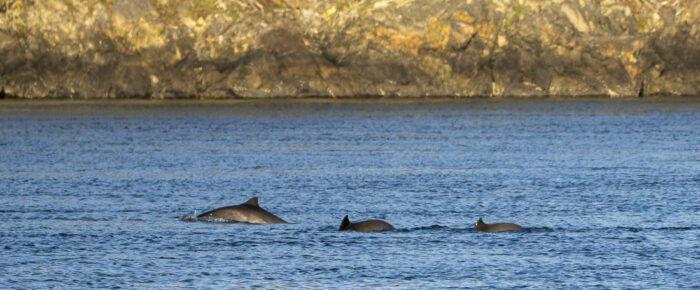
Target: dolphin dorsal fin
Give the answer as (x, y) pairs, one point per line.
(345, 224)
(252, 202)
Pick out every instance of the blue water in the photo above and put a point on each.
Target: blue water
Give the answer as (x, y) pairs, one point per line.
(609, 193)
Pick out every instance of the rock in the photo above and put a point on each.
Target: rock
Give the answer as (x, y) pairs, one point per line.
(310, 48)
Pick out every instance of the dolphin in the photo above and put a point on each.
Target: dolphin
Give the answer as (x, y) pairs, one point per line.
(247, 212)
(365, 226)
(494, 228)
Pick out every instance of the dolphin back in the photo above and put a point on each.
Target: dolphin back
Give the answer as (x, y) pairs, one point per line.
(502, 227)
(372, 226)
(494, 228)
(248, 212)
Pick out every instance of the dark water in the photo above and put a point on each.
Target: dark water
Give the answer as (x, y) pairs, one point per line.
(608, 191)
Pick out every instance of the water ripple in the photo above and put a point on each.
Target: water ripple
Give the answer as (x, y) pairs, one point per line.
(93, 196)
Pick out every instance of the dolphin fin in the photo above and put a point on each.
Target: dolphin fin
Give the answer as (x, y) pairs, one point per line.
(345, 224)
(252, 202)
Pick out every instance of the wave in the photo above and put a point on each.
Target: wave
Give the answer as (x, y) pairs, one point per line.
(423, 228)
(607, 229)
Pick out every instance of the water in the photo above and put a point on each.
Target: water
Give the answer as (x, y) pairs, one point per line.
(608, 191)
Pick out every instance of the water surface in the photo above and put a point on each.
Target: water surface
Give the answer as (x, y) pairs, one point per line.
(91, 193)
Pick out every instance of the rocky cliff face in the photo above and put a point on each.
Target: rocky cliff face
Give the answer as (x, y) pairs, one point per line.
(347, 48)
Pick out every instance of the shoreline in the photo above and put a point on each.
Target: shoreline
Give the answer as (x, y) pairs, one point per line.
(319, 100)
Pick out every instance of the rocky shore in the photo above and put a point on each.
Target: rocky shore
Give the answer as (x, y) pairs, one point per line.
(211, 49)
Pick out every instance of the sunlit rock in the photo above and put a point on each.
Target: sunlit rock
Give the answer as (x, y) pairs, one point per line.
(341, 48)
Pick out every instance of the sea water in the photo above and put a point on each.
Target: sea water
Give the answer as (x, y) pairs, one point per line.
(608, 191)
